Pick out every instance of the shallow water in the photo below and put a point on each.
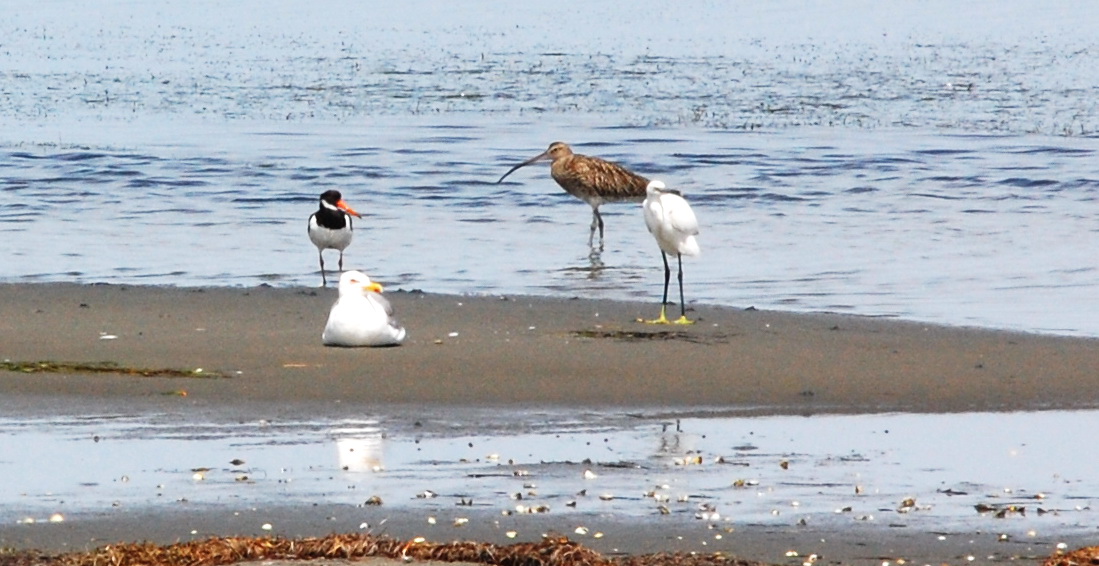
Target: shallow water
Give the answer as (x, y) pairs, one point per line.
(879, 162)
(824, 471)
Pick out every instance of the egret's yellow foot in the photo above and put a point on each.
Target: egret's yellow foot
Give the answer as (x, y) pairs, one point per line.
(662, 320)
(683, 320)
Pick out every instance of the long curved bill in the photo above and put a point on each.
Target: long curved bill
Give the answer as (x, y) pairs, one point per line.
(347, 208)
(535, 159)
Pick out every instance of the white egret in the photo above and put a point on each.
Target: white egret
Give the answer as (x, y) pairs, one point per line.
(672, 222)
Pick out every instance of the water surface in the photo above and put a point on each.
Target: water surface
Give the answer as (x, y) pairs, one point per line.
(847, 157)
(970, 473)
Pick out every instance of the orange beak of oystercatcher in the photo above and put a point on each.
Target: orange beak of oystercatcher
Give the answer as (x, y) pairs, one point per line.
(347, 208)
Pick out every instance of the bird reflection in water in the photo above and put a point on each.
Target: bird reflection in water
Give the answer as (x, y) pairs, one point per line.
(359, 449)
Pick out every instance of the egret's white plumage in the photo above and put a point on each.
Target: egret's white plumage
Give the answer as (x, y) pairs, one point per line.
(361, 316)
(672, 222)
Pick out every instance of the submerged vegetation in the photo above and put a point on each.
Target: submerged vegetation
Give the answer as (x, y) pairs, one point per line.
(647, 336)
(104, 367)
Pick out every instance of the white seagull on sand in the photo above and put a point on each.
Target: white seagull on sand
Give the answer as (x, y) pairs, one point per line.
(361, 316)
(674, 225)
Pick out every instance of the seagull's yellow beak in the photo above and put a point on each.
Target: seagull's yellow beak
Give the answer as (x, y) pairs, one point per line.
(373, 287)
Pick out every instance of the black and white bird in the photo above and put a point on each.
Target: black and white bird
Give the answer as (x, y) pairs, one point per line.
(672, 222)
(330, 227)
(361, 316)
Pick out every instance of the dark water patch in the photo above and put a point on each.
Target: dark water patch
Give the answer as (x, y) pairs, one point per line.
(416, 151)
(1026, 183)
(478, 184)
(779, 197)
(359, 152)
(444, 139)
(30, 156)
(59, 180)
(709, 158)
(943, 152)
(955, 180)
(148, 182)
(78, 156)
(1081, 183)
(938, 196)
(213, 171)
(1050, 150)
(653, 140)
(114, 171)
(174, 210)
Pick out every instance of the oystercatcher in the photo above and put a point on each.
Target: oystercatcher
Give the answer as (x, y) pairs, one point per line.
(330, 227)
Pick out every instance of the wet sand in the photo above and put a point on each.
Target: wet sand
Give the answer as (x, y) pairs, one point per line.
(524, 350)
(520, 351)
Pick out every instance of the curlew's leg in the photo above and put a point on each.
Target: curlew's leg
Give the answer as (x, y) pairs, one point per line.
(598, 220)
(324, 280)
(682, 305)
(664, 302)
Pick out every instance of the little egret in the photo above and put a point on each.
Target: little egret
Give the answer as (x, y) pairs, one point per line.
(672, 222)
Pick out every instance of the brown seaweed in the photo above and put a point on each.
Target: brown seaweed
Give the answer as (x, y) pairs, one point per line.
(104, 368)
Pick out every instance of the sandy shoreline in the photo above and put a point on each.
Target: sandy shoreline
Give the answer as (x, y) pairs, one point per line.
(523, 350)
(520, 351)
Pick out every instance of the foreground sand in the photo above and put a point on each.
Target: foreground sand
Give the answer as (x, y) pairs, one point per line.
(484, 351)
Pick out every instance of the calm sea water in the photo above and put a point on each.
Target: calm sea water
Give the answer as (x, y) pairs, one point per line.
(877, 159)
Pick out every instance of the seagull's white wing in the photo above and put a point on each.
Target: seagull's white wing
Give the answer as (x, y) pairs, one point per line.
(382, 302)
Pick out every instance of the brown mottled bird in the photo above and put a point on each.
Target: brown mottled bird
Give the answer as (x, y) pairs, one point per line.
(590, 179)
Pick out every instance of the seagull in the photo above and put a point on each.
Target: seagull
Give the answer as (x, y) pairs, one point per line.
(330, 227)
(590, 179)
(672, 222)
(361, 316)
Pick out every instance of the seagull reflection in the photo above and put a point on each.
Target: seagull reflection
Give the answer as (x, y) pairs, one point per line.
(359, 449)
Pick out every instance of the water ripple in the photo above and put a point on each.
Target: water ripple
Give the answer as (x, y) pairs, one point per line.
(881, 157)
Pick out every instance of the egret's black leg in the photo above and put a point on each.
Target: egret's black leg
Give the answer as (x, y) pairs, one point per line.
(664, 301)
(682, 304)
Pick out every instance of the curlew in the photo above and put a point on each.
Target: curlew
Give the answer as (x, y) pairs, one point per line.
(672, 222)
(330, 227)
(590, 179)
